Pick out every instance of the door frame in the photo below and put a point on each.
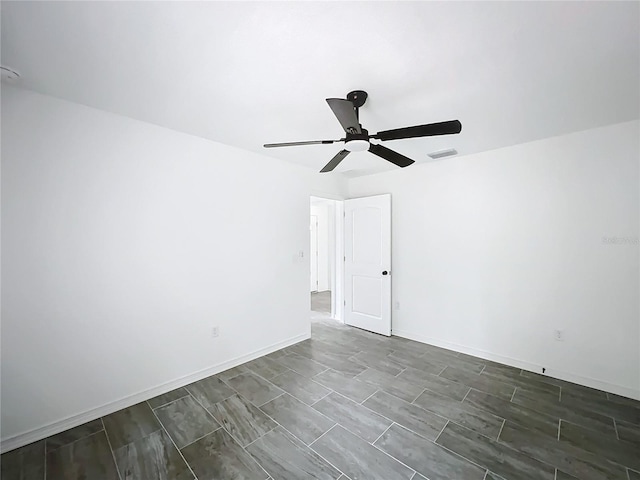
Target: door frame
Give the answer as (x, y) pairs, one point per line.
(336, 255)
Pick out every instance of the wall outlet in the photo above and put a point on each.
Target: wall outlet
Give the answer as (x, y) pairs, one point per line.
(215, 332)
(558, 335)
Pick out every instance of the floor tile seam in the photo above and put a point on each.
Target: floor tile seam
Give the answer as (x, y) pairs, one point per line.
(501, 383)
(508, 447)
(513, 394)
(390, 456)
(301, 440)
(192, 395)
(453, 452)
(380, 436)
(176, 446)
(304, 443)
(113, 453)
(169, 403)
(570, 455)
(237, 440)
(401, 425)
(306, 378)
(262, 376)
(46, 451)
(613, 419)
(501, 428)
(479, 407)
(201, 437)
(275, 398)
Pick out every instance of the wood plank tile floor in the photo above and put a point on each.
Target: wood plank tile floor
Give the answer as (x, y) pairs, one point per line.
(348, 404)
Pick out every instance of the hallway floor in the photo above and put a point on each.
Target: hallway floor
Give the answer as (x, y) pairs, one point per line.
(353, 405)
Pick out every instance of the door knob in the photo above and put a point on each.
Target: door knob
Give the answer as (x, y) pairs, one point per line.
(385, 272)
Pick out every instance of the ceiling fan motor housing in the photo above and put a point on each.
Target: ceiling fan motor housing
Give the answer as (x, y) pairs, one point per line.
(357, 142)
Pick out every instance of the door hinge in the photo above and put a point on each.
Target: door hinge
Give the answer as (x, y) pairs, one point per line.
(344, 214)
(344, 259)
(345, 303)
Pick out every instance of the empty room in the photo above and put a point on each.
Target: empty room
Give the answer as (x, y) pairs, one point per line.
(456, 183)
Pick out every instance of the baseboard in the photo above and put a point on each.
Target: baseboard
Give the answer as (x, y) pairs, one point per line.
(514, 362)
(54, 428)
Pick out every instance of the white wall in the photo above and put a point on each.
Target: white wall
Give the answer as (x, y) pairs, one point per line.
(123, 244)
(493, 252)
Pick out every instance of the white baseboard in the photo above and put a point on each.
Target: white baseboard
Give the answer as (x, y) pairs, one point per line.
(513, 362)
(54, 428)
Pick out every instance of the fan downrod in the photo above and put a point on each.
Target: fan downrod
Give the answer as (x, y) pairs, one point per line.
(357, 97)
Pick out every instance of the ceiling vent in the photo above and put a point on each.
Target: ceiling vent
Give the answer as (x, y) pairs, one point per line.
(443, 153)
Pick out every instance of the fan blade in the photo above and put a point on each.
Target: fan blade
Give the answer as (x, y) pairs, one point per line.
(333, 163)
(293, 144)
(429, 130)
(345, 113)
(390, 155)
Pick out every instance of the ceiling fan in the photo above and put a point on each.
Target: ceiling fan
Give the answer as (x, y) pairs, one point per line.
(357, 138)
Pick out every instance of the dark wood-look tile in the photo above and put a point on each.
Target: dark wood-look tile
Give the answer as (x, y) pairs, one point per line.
(628, 432)
(464, 414)
(73, 434)
(152, 457)
(493, 476)
(510, 376)
(303, 421)
(624, 453)
(566, 386)
(286, 458)
(431, 366)
(232, 372)
(254, 388)
(130, 424)
(433, 383)
(302, 365)
(560, 475)
(469, 365)
(349, 387)
(24, 463)
(352, 416)
(399, 387)
(185, 420)
(630, 402)
(406, 414)
(566, 457)
(218, 456)
(536, 393)
(242, 419)
(633, 475)
(579, 416)
(88, 458)
(380, 362)
(210, 391)
(498, 458)
(603, 406)
(169, 397)
(484, 384)
(357, 458)
(532, 419)
(276, 355)
(301, 387)
(266, 367)
(426, 457)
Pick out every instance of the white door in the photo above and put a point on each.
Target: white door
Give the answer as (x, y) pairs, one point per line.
(313, 252)
(367, 265)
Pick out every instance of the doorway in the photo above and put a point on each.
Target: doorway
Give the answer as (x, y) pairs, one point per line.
(325, 272)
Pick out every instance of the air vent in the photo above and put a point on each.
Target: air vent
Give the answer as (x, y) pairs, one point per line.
(443, 153)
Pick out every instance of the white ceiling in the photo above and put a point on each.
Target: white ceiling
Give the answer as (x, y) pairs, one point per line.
(246, 73)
